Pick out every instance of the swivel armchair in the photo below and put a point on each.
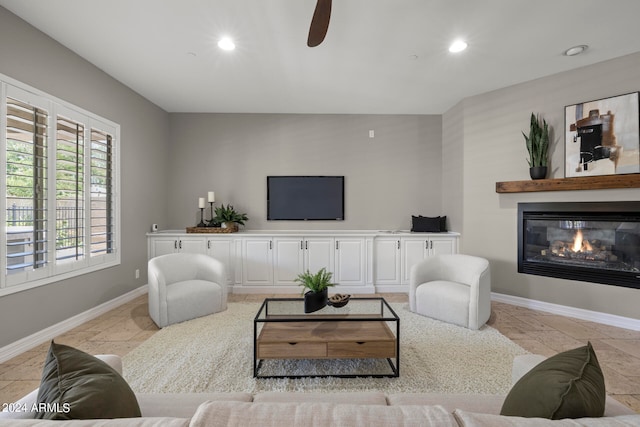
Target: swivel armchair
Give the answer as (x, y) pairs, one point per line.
(184, 286)
(452, 288)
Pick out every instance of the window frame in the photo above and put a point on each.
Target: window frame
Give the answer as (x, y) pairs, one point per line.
(54, 271)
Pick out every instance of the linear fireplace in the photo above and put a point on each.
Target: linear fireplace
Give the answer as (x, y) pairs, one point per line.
(587, 241)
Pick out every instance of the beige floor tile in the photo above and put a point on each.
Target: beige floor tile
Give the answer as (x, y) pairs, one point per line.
(632, 347)
(16, 389)
(22, 372)
(571, 327)
(536, 347)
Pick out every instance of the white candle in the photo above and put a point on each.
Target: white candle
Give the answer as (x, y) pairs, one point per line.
(201, 202)
(212, 196)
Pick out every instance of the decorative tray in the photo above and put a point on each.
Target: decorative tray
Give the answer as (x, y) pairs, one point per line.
(210, 230)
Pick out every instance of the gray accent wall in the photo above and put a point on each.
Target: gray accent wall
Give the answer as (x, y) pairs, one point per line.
(493, 150)
(33, 58)
(387, 178)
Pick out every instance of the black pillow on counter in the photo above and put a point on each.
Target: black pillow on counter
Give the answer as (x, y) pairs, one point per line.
(428, 224)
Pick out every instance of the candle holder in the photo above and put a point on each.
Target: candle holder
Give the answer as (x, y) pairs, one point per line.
(212, 222)
(201, 224)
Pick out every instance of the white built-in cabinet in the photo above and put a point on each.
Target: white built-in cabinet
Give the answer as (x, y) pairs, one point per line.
(295, 255)
(257, 261)
(351, 261)
(171, 244)
(222, 249)
(269, 262)
(416, 249)
(388, 261)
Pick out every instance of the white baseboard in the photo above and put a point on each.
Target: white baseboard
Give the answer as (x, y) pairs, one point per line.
(27, 343)
(563, 310)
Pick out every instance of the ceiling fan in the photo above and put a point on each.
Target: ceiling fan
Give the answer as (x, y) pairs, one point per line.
(319, 23)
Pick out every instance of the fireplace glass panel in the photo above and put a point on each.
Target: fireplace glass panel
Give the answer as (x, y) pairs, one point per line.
(609, 245)
(587, 241)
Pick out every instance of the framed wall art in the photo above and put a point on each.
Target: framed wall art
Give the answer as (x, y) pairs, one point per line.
(602, 137)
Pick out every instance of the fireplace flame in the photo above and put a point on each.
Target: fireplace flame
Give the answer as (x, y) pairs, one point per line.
(579, 244)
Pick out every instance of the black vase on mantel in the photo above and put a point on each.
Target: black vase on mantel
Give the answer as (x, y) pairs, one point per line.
(538, 172)
(314, 301)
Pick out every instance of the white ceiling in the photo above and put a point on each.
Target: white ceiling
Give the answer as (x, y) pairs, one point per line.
(166, 49)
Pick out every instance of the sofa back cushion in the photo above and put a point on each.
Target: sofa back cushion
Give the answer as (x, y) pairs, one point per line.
(470, 419)
(213, 414)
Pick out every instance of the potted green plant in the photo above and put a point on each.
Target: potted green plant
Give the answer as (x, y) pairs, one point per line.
(538, 147)
(227, 216)
(315, 289)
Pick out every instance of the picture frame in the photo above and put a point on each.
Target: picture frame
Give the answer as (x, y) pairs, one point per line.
(602, 137)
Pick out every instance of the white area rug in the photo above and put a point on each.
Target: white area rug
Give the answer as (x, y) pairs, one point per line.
(215, 354)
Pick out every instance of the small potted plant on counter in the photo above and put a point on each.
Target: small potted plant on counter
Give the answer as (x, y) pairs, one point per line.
(315, 289)
(227, 217)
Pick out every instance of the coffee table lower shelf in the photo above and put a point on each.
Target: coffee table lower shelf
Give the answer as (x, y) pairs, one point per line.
(329, 339)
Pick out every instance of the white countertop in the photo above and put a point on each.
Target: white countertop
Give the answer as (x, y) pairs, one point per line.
(249, 233)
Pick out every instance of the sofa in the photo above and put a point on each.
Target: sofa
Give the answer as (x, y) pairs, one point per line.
(282, 409)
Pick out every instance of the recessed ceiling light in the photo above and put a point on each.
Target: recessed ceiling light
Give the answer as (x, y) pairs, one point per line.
(226, 43)
(457, 46)
(576, 50)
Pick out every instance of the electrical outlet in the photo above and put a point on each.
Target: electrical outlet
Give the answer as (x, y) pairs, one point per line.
(137, 273)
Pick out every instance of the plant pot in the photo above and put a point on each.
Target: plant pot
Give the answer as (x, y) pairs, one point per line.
(229, 225)
(314, 301)
(538, 172)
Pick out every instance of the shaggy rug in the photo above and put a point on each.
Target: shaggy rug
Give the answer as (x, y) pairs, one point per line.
(215, 354)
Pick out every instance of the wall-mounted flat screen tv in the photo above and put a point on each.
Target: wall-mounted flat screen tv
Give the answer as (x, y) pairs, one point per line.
(305, 198)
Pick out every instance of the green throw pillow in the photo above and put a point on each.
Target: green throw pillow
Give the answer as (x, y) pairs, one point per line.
(567, 385)
(76, 385)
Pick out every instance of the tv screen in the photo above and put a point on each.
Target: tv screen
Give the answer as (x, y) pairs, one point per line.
(305, 197)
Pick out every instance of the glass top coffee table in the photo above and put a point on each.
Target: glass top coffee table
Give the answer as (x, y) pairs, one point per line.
(361, 339)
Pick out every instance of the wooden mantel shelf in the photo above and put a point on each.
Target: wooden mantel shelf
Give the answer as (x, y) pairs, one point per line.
(570, 184)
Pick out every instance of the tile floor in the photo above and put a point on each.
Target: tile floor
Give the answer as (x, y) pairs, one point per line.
(125, 327)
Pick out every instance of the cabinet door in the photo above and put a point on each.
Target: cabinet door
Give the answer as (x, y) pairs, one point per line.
(319, 253)
(287, 260)
(192, 245)
(387, 261)
(413, 251)
(257, 261)
(222, 250)
(163, 246)
(442, 246)
(350, 262)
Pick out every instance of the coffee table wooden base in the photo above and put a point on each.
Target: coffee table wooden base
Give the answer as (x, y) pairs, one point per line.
(331, 339)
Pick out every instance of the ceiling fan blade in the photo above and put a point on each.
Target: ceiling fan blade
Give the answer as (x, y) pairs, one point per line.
(319, 23)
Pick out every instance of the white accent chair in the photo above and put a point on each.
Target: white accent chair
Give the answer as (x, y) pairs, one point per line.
(453, 288)
(184, 286)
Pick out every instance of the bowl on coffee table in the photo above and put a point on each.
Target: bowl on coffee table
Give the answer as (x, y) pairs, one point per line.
(338, 300)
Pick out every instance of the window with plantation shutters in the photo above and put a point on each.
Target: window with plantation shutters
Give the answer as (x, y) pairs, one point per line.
(60, 186)
(102, 227)
(26, 187)
(69, 190)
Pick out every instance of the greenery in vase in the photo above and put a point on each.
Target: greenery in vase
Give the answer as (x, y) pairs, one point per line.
(315, 282)
(228, 214)
(537, 142)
